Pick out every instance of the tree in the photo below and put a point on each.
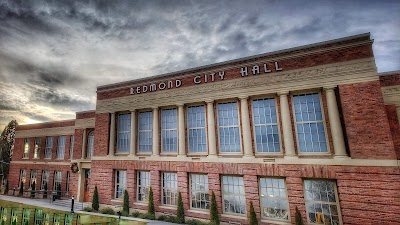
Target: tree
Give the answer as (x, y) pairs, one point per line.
(299, 219)
(252, 215)
(95, 200)
(6, 148)
(180, 215)
(33, 188)
(151, 209)
(214, 215)
(125, 208)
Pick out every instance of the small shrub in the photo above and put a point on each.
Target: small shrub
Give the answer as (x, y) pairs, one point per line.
(135, 214)
(299, 219)
(252, 215)
(151, 209)
(95, 199)
(196, 222)
(147, 216)
(88, 209)
(124, 213)
(171, 219)
(108, 210)
(214, 215)
(125, 209)
(162, 217)
(180, 215)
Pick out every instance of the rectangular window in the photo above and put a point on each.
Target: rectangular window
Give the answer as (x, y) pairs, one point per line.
(36, 152)
(143, 184)
(123, 133)
(49, 146)
(145, 131)
(33, 177)
(57, 181)
(322, 203)
(196, 125)
(265, 125)
(61, 147)
(22, 177)
(46, 218)
(45, 180)
(71, 147)
(26, 149)
(169, 189)
(14, 216)
(120, 183)
(169, 132)
(199, 196)
(56, 219)
(309, 123)
(3, 215)
(68, 219)
(38, 217)
(234, 200)
(67, 183)
(228, 124)
(26, 215)
(274, 200)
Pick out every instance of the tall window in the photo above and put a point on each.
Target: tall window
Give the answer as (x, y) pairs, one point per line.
(49, 146)
(199, 196)
(169, 130)
(143, 184)
(57, 181)
(228, 124)
(124, 133)
(3, 215)
(57, 219)
(309, 123)
(71, 147)
(145, 132)
(120, 183)
(22, 177)
(38, 217)
(233, 195)
(14, 216)
(26, 215)
(26, 149)
(68, 219)
(36, 152)
(67, 183)
(46, 218)
(169, 189)
(61, 147)
(90, 145)
(322, 204)
(274, 200)
(45, 180)
(265, 125)
(196, 125)
(33, 177)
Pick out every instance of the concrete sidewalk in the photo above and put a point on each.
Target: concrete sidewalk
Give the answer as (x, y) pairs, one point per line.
(47, 204)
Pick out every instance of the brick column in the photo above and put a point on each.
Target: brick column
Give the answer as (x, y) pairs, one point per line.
(183, 183)
(112, 135)
(155, 183)
(133, 133)
(286, 125)
(252, 191)
(156, 138)
(181, 130)
(84, 141)
(212, 142)
(246, 130)
(335, 124)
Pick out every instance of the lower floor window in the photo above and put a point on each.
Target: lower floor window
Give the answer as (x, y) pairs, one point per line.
(169, 189)
(274, 201)
(199, 196)
(234, 200)
(143, 184)
(321, 202)
(120, 183)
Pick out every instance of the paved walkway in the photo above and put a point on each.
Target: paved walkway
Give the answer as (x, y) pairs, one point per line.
(47, 204)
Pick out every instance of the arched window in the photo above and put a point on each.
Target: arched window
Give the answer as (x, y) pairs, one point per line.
(90, 144)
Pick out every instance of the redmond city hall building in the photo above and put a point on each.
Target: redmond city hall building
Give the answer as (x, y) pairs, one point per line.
(313, 127)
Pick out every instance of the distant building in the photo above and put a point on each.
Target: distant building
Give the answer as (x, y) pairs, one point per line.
(314, 127)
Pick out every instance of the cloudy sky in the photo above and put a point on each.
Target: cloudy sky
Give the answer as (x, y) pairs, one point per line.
(53, 54)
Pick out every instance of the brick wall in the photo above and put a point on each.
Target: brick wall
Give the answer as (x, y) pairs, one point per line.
(102, 134)
(394, 127)
(366, 122)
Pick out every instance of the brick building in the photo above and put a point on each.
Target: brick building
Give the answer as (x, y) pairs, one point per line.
(314, 127)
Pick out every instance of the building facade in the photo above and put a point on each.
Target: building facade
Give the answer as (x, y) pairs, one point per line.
(314, 127)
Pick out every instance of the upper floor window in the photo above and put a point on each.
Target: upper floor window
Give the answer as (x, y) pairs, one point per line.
(120, 183)
(199, 196)
(309, 123)
(169, 132)
(49, 146)
(196, 125)
(228, 124)
(61, 147)
(143, 185)
(36, 151)
(26, 149)
(233, 197)
(145, 132)
(274, 199)
(169, 189)
(90, 145)
(71, 147)
(322, 204)
(265, 125)
(123, 133)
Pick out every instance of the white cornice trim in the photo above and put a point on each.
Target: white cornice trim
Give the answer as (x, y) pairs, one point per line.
(41, 163)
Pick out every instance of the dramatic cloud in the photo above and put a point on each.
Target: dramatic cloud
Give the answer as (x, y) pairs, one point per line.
(53, 54)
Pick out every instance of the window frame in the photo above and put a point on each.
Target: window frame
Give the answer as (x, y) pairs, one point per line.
(174, 152)
(139, 186)
(223, 194)
(310, 92)
(253, 125)
(36, 150)
(163, 188)
(118, 133)
(60, 154)
(25, 154)
(139, 151)
(241, 152)
(71, 146)
(45, 178)
(33, 177)
(191, 192)
(56, 180)
(287, 199)
(90, 145)
(187, 129)
(322, 202)
(119, 184)
(22, 174)
(49, 149)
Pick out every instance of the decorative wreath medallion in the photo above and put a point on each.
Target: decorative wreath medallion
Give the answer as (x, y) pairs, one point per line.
(74, 167)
